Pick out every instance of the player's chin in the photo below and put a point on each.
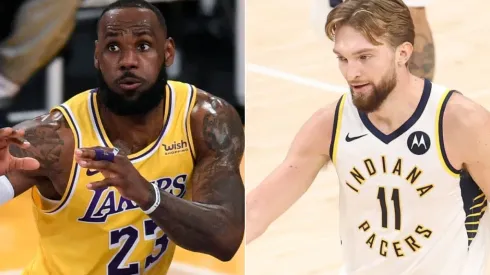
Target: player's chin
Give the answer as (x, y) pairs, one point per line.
(365, 103)
(362, 97)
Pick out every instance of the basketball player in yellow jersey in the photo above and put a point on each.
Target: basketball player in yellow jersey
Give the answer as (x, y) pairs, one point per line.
(398, 144)
(123, 173)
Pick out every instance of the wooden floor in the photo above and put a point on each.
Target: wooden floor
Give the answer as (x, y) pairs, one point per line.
(291, 73)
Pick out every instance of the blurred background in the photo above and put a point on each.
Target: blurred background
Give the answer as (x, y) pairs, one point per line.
(46, 57)
(204, 32)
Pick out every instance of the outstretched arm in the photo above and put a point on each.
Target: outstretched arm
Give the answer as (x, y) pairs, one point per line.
(292, 178)
(213, 223)
(422, 62)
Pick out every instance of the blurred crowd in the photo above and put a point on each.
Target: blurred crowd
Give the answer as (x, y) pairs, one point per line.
(46, 53)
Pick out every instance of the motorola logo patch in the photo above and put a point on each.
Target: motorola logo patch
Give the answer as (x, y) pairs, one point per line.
(418, 142)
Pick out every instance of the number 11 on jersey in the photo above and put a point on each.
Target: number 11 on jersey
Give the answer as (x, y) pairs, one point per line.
(395, 197)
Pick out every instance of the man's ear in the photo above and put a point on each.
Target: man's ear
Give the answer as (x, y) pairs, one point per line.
(403, 53)
(169, 52)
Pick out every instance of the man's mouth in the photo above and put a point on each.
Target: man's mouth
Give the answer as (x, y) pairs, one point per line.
(129, 83)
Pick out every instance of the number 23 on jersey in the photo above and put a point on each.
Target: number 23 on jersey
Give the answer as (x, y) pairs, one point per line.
(126, 239)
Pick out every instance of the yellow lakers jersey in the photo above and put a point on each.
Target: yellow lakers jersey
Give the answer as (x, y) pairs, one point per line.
(99, 232)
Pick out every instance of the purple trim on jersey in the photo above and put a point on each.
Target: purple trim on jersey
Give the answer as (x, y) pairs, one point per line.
(75, 171)
(335, 126)
(94, 115)
(441, 134)
(187, 131)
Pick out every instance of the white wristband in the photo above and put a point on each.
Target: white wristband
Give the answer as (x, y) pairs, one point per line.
(6, 190)
(157, 200)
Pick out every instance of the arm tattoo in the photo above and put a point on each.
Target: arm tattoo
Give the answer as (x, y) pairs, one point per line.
(422, 62)
(214, 222)
(44, 134)
(223, 134)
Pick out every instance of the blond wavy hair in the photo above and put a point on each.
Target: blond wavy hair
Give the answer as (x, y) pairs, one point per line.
(375, 19)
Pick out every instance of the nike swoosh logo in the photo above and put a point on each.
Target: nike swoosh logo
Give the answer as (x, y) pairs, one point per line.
(349, 139)
(91, 173)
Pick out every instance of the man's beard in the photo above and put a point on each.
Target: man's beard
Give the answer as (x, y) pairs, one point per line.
(368, 103)
(143, 104)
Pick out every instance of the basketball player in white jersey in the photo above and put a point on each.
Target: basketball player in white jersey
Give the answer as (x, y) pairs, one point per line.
(398, 144)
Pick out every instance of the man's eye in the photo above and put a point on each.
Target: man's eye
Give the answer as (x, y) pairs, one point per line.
(113, 48)
(144, 47)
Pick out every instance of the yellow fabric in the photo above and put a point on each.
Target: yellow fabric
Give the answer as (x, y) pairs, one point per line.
(98, 232)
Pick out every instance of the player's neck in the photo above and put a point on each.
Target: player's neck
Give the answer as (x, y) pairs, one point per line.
(399, 105)
(137, 130)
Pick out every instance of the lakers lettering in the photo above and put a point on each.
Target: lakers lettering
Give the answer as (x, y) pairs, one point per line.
(399, 248)
(105, 202)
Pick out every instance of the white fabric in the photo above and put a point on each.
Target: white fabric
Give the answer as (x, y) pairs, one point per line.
(157, 201)
(6, 190)
(443, 248)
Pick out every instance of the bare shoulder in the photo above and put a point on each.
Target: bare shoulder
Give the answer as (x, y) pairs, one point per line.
(322, 120)
(52, 144)
(315, 135)
(466, 128)
(463, 114)
(217, 128)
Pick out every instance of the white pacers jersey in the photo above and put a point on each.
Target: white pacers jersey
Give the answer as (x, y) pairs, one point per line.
(402, 207)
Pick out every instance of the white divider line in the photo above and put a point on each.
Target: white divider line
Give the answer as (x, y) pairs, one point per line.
(296, 79)
(258, 69)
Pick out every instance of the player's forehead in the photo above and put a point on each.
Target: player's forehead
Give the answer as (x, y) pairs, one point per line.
(124, 19)
(351, 41)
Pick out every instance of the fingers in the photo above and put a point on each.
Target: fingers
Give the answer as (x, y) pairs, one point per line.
(97, 153)
(99, 184)
(85, 153)
(18, 133)
(23, 164)
(11, 133)
(21, 143)
(91, 158)
(5, 132)
(100, 165)
(11, 136)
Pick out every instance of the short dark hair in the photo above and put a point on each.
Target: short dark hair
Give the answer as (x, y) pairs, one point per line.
(142, 4)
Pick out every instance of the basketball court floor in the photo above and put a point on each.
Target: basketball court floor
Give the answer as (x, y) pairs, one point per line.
(291, 72)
